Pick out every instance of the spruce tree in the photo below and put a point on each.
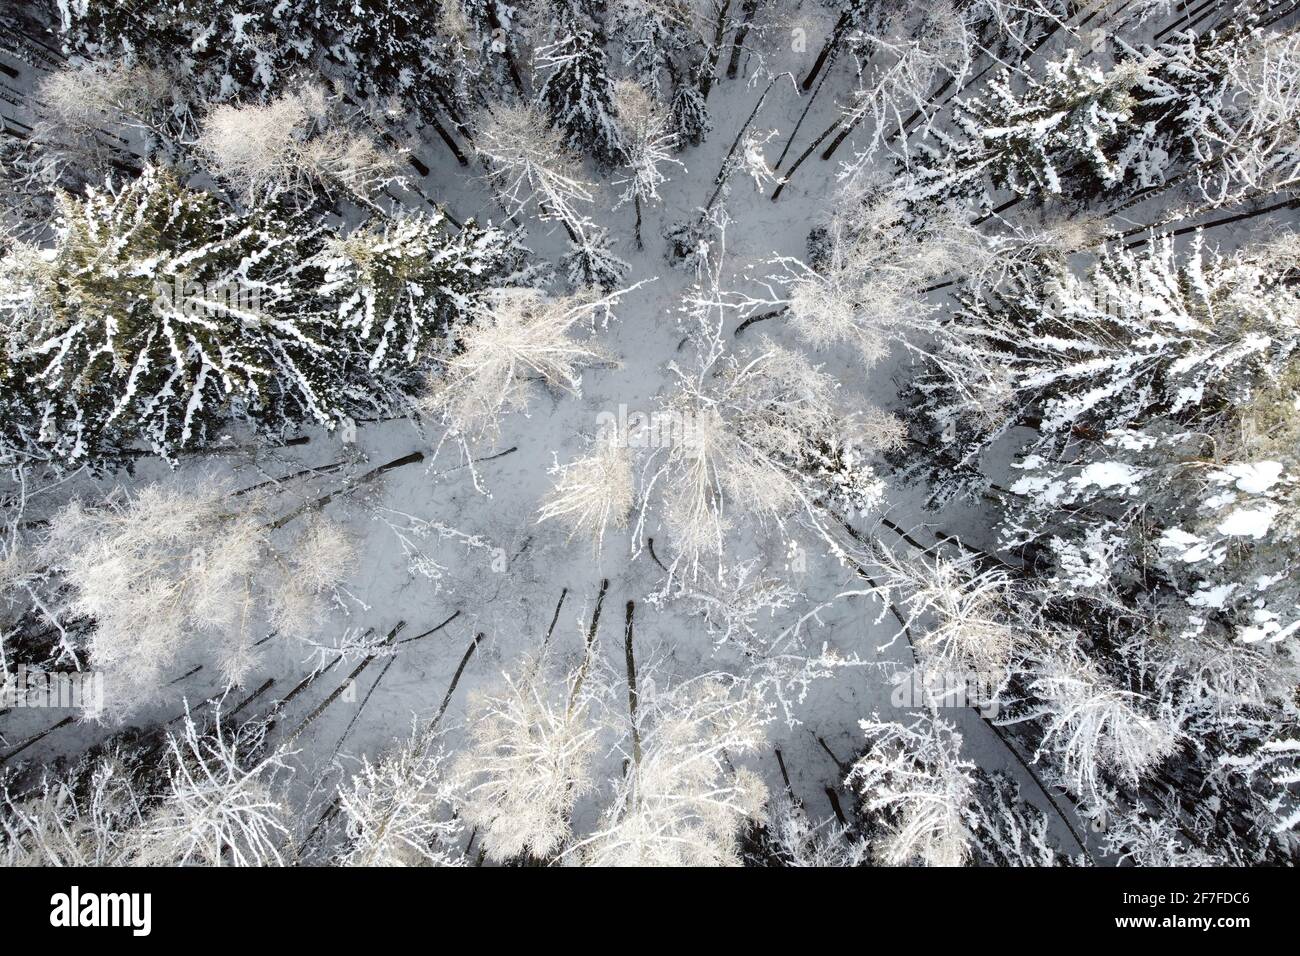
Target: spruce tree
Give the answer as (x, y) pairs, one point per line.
(1060, 136)
(578, 92)
(400, 284)
(158, 315)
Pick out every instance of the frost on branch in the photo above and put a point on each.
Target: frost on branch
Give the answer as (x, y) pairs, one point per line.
(682, 803)
(528, 164)
(900, 64)
(866, 288)
(398, 810)
(764, 435)
(648, 148)
(83, 104)
(534, 742)
(917, 790)
(1094, 731)
(517, 337)
(796, 841)
(960, 617)
(73, 820)
(592, 493)
(222, 805)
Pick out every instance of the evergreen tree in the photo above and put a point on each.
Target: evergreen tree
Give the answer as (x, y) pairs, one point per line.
(417, 52)
(652, 34)
(578, 92)
(1064, 135)
(1154, 502)
(400, 284)
(688, 116)
(157, 313)
(499, 30)
(217, 50)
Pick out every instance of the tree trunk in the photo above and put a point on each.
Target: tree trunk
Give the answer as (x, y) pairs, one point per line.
(455, 680)
(321, 502)
(494, 22)
(1183, 19)
(785, 180)
(835, 807)
(1237, 217)
(710, 64)
(747, 11)
(352, 676)
(802, 116)
(761, 317)
(446, 138)
(843, 135)
(559, 604)
(830, 46)
(724, 171)
(630, 662)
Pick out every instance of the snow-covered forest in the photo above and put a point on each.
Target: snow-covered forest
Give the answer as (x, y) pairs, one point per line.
(650, 432)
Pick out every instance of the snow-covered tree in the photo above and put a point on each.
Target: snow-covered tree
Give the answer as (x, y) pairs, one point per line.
(649, 145)
(1152, 500)
(534, 742)
(212, 793)
(420, 55)
(221, 807)
(591, 262)
(292, 147)
(594, 493)
(688, 117)
(764, 435)
(157, 315)
(529, 165)
(1007, 830)
(916, 791)
(794, 840)
(903, 58)
(960, 618)
(867, 286)
(1221, 109)
(682, 802)
(1147, 332)
(75, 819)
(88, 110)
(1064, 135)
(652, 34)
(1139, 840)
(400, 284)
(1094, 731)
(577, 90)
(516, 337)
(173, 574)
(398, 811)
